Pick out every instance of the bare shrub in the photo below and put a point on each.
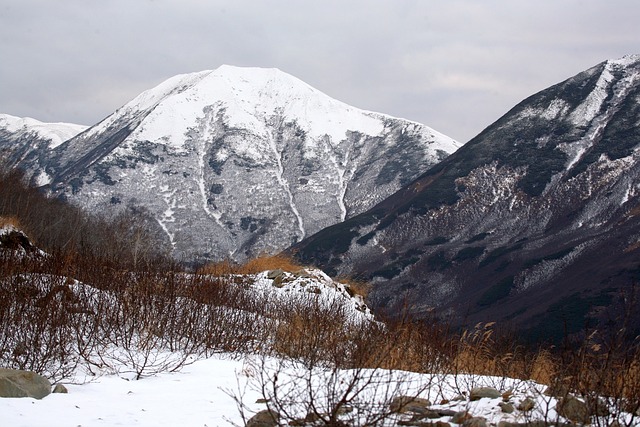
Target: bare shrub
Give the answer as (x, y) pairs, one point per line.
(327, 395)
(36, 325)
(221, 268)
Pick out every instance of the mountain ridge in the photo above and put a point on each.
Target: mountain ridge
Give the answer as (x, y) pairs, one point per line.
(519, 211)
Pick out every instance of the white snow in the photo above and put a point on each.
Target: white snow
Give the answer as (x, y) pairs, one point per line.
(557, 108)
(247, 96)
(43, 178)
(56, 133)
(625, 60)
(279, 175)
(588, 113)
(590, 108)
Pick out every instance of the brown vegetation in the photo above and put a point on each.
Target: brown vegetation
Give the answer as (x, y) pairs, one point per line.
(9, 221)
(269, 262)
(255, 265)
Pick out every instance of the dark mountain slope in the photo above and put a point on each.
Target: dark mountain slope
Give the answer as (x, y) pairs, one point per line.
(535, 215)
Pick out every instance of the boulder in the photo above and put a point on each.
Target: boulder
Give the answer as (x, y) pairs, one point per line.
(16, 383)
(59, 388)
(573, 409)
(507, 408)
(404, 404)
(480, 392)
(475, 422)
(460, 417)
(266, 418)
(273, 274)
(527, 404)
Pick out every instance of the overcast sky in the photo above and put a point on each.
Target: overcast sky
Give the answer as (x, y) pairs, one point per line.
(454, 65)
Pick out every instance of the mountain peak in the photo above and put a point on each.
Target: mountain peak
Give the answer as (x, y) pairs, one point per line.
(249, 98)
(237, 161)
(626, 60)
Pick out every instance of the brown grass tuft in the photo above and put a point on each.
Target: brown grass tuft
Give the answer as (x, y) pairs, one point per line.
(9, 221)
(544, 368)
(269, 262)
(356, 286)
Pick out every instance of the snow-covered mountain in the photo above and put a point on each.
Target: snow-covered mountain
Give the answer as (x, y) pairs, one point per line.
(534, 221)
(238, 161)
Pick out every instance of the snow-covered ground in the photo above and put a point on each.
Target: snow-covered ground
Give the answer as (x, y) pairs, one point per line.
(204, 394)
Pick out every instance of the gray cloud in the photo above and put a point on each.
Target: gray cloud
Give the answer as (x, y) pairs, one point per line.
(456, 66)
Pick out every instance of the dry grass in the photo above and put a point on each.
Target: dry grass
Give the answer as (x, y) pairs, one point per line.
(356, 286)
(9, 221)
(544, 368)
(269, 262)
(253, 266)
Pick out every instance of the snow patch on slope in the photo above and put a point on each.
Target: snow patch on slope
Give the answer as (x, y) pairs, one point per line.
(589, 111)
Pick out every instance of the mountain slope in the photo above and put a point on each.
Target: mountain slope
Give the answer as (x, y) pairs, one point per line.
(22, 139)
(237, 161)
(535, 220)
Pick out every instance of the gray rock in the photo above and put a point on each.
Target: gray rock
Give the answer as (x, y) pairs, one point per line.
(16, 383)
(475, 422)
(266, 418)
(480, 392)
(460, 417)
(60, 388)
(527, 405)
(444, 412)
(404, 404)
(573, 409)
(507, 408)
(274, 274)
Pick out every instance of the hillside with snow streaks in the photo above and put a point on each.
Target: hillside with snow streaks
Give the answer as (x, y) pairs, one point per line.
(235, 161)
(533, 222)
